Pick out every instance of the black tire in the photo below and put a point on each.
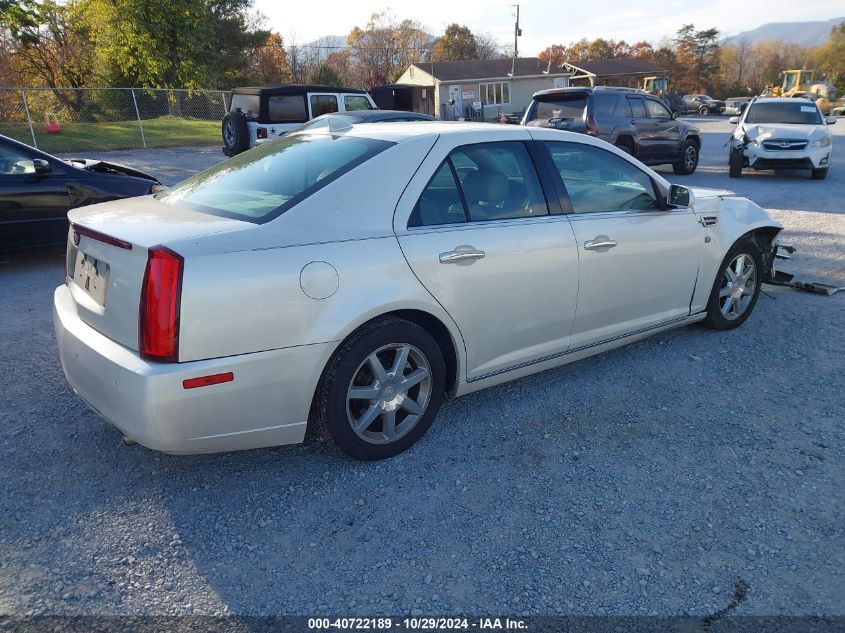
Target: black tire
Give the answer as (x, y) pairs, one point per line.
(333, 413)
(819, 174)
(688, 161)
(735, 159)
(626, 145)
(235, 133)
(704, 111)
(715, 318)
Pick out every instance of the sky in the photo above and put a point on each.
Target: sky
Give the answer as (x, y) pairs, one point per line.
(545, 22)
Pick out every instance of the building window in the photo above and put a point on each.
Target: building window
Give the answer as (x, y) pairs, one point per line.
(495, 93)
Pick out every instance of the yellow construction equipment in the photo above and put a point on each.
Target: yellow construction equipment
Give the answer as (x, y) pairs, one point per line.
(803, 83)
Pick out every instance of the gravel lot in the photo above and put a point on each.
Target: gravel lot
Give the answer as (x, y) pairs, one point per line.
(665, 477)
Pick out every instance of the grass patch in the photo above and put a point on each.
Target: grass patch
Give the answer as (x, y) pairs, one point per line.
(166, 131)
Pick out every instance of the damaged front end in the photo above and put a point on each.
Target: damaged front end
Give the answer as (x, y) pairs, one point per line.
(781, 278)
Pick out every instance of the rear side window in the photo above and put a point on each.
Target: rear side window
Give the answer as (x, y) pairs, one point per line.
(477, 183)
(564, 106)
(356, 102)
(264, 182)
(599, 181)
(605, 103)
(323, 104)
(287, 109)
(248, 104)
(636, 107)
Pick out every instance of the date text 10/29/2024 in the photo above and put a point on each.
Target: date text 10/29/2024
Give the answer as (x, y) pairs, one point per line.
(417, 624)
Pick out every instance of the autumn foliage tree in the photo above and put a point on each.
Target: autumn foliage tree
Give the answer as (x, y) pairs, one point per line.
(457, 43)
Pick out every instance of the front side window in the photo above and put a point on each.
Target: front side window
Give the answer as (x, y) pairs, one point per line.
(794, 112)
(260, 184)
(477, 183)
(495, 93)
(356, 102)
(657, 110)
(323, 104)
(287, 109)
(14, 162)
(598, 181)
(636, 108)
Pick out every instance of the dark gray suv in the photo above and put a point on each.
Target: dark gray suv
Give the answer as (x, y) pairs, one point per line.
(634, 121)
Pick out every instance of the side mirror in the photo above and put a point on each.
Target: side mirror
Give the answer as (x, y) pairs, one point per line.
(734, 120)
(831, 120)
(680, 197)
(42, 166)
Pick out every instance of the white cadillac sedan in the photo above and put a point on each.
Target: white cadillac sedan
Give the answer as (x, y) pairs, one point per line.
(350, 278)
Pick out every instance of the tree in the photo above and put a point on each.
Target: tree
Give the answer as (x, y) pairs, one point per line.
(325, 75)
(457, 43)
(385, 47)
(695, 53)
(55, 53)
(270, 61)
(556, 54)
(832, 56)
(487, 47)
(172, 43)
(19, 17)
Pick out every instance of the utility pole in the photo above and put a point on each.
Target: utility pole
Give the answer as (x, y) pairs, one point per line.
(517, 32)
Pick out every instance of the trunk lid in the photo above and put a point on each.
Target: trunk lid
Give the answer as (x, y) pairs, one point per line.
(107, 253)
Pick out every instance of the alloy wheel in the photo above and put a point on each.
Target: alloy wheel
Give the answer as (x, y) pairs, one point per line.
(690, 157)
(389, 393)
(739, 283)
(229, 133)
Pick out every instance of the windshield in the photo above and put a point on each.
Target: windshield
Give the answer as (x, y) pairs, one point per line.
(560, 107)
(266, 181)
(801, 112)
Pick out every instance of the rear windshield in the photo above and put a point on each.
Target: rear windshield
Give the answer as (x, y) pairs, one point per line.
(800, 112)
(559, 107)
(248, 104)
(266, 181)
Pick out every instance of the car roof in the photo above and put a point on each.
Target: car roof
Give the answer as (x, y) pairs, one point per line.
(397, 132)
(293, 89)
(585, 89)
(782, 100)
(375, 114)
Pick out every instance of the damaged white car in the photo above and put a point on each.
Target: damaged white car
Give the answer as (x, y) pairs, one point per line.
(781, 133)
(349, 278)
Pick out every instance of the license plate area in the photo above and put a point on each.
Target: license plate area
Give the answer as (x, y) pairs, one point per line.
(92, 275)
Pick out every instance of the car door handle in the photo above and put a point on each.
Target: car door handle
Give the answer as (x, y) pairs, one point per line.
(591, 245)
(461, 254)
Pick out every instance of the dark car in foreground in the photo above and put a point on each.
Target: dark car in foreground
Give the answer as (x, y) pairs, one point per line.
(704, 104)
(636, 122)
(37, 190)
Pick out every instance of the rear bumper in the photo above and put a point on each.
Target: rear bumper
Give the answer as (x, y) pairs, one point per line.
(267, 403)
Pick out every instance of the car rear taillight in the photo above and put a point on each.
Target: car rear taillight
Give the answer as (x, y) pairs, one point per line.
(161, 293)
(261, 132)
(592, 125)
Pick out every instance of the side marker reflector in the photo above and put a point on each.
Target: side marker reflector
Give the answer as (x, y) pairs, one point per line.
(207, 381)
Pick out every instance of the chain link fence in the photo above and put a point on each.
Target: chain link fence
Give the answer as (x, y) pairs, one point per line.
(69, 120)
